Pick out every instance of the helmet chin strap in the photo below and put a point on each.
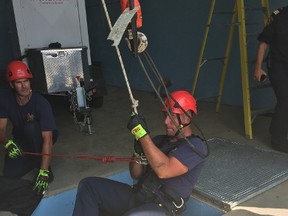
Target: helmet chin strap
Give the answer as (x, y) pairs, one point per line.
(181, 126)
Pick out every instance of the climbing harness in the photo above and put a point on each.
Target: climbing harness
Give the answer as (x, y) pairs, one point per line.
(150, 189)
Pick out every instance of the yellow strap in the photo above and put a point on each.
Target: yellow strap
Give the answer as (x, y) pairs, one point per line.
(138, 131)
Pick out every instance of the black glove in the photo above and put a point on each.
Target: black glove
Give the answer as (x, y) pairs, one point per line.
(137, 126)
(138, 151)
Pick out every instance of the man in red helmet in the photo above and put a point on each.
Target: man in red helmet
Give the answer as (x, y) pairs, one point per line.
(34, 128)
(167, 168)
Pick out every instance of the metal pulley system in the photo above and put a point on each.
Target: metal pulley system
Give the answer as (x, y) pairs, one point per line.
(130, 20)
(142, 42)
(79, 99)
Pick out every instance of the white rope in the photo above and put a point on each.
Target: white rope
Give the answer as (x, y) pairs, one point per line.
(134, 102)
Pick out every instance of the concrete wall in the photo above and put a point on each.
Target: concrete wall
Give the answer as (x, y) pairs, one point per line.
(175, 31)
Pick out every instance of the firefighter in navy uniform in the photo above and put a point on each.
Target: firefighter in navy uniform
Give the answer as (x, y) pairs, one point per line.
(275, 36)
(34, 128)
(166, 177)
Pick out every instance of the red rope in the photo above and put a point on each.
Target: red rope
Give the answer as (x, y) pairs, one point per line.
(103, 159)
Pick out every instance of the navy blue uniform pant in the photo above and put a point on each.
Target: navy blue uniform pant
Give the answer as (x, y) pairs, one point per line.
(278, 75)
(98, 196)
(31, 142)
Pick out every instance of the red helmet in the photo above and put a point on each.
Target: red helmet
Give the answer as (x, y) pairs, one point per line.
(185, 101)
(17, 70)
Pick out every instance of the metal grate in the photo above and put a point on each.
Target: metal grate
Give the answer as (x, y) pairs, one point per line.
(235, 172)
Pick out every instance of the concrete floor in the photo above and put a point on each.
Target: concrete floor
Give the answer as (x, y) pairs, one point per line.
(111, 137)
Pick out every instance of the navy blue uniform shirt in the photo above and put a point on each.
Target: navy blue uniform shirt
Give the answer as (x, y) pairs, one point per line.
(185, 183)
(38, 109)
(276, 35)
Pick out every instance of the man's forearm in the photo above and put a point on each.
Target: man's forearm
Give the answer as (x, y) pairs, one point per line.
(260, 55)
(46, 158)
(157, 159)
(136, 169)
(46, 149)
(3, 138)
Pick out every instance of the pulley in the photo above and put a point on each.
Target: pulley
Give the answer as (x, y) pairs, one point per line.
(142, 42)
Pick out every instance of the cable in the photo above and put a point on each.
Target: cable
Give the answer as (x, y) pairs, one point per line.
(161, 81)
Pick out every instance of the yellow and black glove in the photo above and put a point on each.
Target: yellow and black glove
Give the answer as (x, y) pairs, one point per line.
(137, 126)
(42, 181)
(12, 149)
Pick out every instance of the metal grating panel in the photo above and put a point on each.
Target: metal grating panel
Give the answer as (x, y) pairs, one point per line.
(235, 172)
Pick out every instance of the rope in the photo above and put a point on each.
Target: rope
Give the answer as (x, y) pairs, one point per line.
(133, 101)
(103, 159)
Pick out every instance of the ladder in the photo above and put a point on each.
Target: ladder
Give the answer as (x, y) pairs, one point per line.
(238, 19)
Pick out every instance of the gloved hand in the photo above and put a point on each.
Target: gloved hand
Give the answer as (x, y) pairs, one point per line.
(12, 149)
(138, 151)
(41, 183)
(137, 126)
